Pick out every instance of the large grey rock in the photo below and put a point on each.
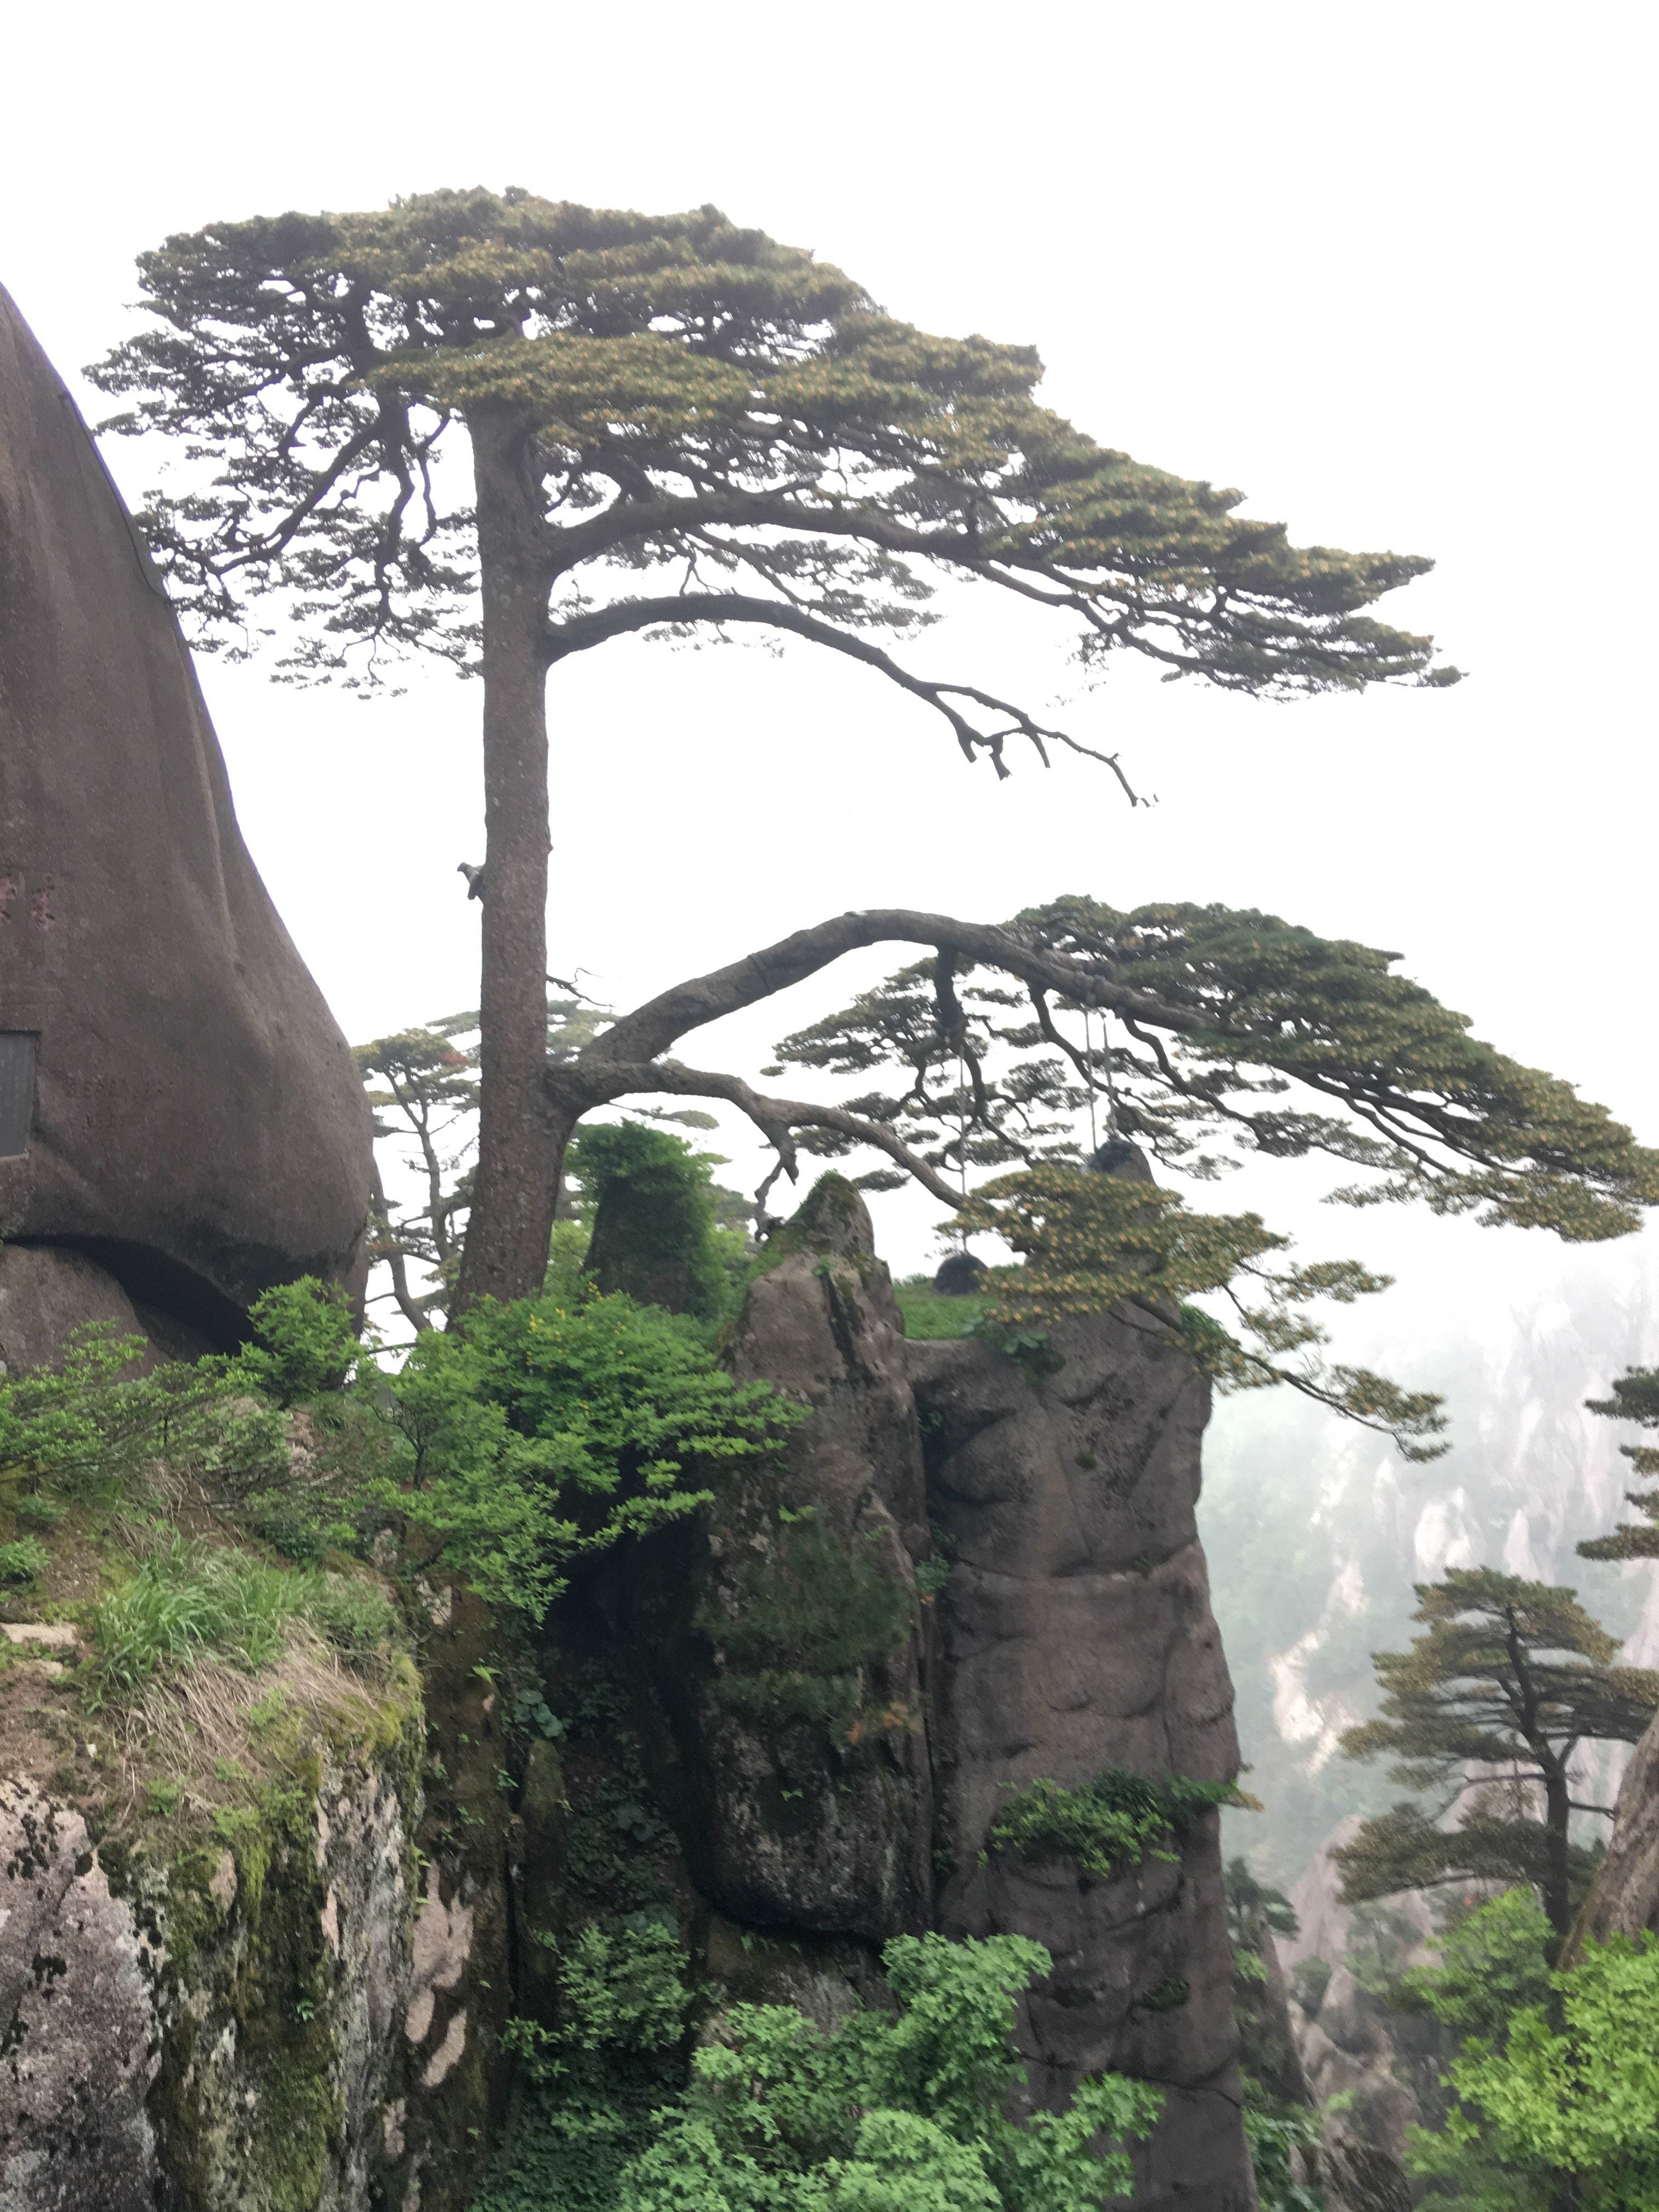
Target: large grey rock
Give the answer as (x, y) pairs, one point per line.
(175, 1100)
(801, 1830)
(1625, 1898)
(1075, 1634)
(78, 2045)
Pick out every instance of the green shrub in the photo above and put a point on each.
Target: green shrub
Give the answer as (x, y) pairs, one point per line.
(1575, 2096)
(305, 1342)
(892, 2111)
(651, 1201)
(621, 1988)
(22, 1564)
(551, 1430)
(1108, 1825)
(36, 1511)
(1275, 2133)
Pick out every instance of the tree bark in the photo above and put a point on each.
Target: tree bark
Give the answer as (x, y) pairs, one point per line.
(512, 1214)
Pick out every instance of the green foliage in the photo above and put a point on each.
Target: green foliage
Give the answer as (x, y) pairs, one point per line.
(1255, 1908)
(304, 1341)
(1110, 1824)
(1207, 1019)
(900, 2111)
(22, 1563)
(620, 1990)
(810, 1617)
(1276, 2132)
(650, 1199)
(1635, 1398)
(617, 1837)
(1493, 1962)
(1511, 1677)
(1581, 2097)
(548, 1431)
(677, 380)
(1558, 2076)
(1092, 1242)
(188, 1600)
(91, 1428)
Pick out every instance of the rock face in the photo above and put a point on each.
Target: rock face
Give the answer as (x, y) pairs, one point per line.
(1625, 1900)
(1384, 2066)
(77, 2027)
(226, 2031)
(800, 1831)
(1075, 1634)
(176, 1104)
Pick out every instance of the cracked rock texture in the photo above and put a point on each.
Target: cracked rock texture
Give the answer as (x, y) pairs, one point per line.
(78, 2045)
(1075, 1633)
(847, 1851)
(178, 1105)
(220, 2033)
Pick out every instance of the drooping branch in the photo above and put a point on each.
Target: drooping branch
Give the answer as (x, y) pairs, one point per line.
(577, 633)
(590, 1083)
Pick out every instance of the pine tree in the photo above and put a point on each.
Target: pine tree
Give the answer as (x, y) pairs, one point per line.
(674, 426)
(1488, 1710)
(1635, 1398)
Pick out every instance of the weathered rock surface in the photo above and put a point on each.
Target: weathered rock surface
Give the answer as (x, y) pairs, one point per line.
(1625, 1898)
(1382, 2066)
(220, 2034)
(1074, 1634)
(78, 2043)
(802, 1832)
(197, 1126)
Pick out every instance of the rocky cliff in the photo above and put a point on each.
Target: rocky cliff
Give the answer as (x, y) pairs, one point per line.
(1624, 1899)
(786, 1731)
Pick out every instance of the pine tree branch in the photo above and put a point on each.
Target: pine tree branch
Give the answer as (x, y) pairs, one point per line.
(579, 633)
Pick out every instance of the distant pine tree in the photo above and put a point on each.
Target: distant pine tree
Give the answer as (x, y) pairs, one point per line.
(1635, 1398)
(1488, 1709)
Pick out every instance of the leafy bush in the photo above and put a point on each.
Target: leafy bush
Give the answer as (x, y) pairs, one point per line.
(22, 1563)
(549, 1432)
(1559, 2076)
(899, 2111)
(1109, 1824)
(1582, 2098)
(621, 1988)
(1275, 2133)
(655, 1235)
(304, 1342)
(87, 1426)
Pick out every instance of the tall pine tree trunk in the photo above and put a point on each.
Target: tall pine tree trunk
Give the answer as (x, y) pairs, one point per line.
(1557, 1883)
(520, 1138)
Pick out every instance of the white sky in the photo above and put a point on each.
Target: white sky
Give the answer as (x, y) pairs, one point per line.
(1385, 268)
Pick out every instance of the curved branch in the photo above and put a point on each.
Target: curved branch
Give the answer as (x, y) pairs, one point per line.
(577, 633)
(599, 1084)
(652, 1028)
